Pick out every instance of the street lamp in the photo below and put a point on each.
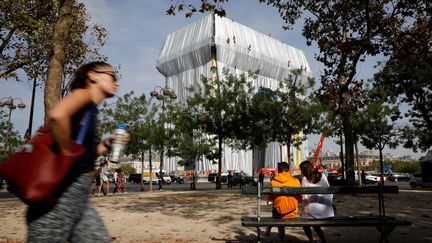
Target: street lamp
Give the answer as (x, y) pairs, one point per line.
(162, 94)
(12, 105)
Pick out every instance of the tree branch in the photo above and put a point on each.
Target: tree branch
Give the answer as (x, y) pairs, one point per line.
(6, 40)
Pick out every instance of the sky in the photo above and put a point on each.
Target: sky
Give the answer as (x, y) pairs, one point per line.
(136, 33)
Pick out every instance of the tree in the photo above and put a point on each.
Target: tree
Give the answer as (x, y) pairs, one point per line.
(218, 114)
(22, 30)
(138, 114)
(345, 32)
(187, 140)
(376, 130)
(29, 32)
(57, 60)
(257, 123)
(406, 76)
(14, 140)
(296, 113)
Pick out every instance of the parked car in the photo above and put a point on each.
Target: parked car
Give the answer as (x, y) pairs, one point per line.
(134, 178)
(212, 177)
(416, 180)
(166, 179)
(374, 178)
(178, 179)
(398, 177)
(335, 179)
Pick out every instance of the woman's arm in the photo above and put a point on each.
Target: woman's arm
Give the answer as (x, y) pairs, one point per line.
(61, 115)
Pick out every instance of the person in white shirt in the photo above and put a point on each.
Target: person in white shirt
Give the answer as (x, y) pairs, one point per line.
(317, 206)
(104, 177)
(115, 180)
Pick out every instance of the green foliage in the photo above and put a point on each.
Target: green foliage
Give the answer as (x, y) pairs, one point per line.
(295, 112)
(139, 115)
(14, 140)
(398, 166)
(374, 124)
(406, 78)
(186, 138)
(229, 109)
(26, 39)
(221, 106)
(126, 169)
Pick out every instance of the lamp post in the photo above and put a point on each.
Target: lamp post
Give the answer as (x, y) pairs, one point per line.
(10, 103)
(29, 129)
(162, 94)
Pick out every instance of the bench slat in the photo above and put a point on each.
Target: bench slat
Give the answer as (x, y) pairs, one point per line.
(264, 219)
(326, 222)
(320, 190)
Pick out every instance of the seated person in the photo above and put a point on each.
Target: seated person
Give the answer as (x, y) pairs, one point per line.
(284, 206)
(317, 206)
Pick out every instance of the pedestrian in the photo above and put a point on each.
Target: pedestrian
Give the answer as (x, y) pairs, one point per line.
(121, 181)
(218, 180)
(97, 181)
(284, 206)
(115, 175)
(363, 178)
(230, 180)
(160, 181)
(104, 178)
(73, 218)
(242, 179)
(261, 178)
(319, 206)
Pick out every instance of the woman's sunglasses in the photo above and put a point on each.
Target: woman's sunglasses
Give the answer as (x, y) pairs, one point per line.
(112, 74)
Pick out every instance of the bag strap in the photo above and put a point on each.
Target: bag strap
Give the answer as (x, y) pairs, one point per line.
(84, 127)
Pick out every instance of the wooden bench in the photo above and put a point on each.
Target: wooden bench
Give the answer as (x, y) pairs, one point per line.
(383, 223)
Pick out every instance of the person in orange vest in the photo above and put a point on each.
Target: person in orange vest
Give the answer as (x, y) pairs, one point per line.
(284, 206)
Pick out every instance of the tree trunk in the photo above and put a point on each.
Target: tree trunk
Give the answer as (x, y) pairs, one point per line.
(54, 80)
(219, 182)
(151, 171)
(342, 153)
(193, 185)
(161, 168)
(142, 170)
(349, 149)
(381, 166)
(358, 163)
(254, 161)
(289, 152)
(280, 151)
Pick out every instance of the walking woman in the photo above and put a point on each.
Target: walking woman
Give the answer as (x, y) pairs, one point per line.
(317, 206)
(73, 218)
(104, 178)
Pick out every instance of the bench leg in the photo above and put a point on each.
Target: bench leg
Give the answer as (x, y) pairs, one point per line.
(385, 231)
(259, 234)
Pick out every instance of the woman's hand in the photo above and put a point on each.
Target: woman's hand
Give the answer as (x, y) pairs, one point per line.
(108, 141)
(105, 146)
